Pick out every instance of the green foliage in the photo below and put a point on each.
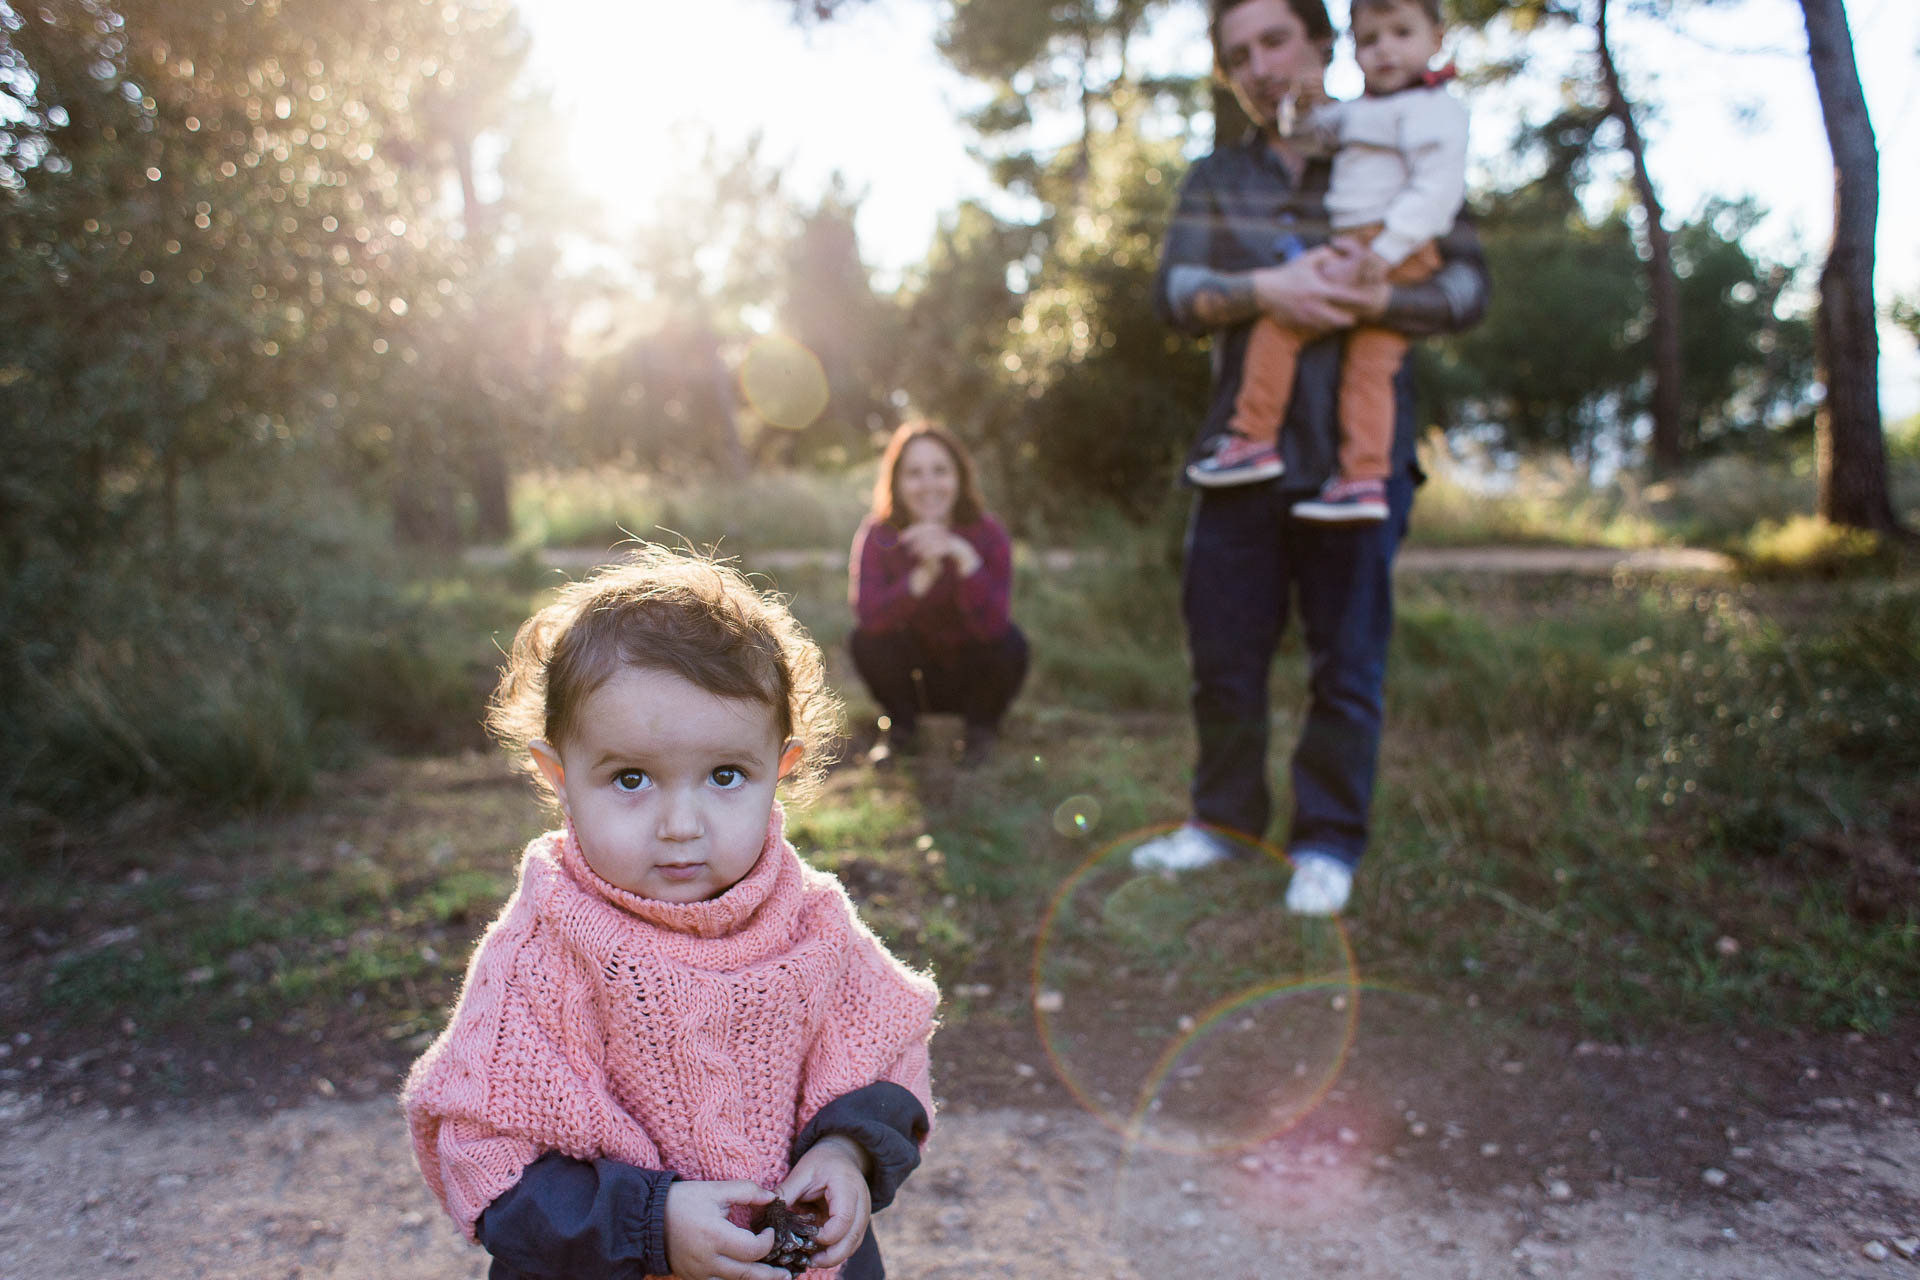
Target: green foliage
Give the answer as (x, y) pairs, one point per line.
(1905, 312)
(1072, 389)
(955, 325)
(1081, 395)
(1749, 370)
(1562, 361)
(1110, 393)
(683, 373)
(1552, 364)
(236, 311)
(830, 309)
(224, 664)
(223, 232)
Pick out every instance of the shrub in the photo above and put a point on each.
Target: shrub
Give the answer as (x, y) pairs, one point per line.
(267, 635)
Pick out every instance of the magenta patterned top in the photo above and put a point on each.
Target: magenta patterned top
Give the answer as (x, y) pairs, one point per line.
(955, 611)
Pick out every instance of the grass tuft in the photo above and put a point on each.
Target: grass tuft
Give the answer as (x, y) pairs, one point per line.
(603, 507)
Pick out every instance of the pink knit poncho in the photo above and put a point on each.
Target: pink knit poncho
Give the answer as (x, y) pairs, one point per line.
(697, 1037)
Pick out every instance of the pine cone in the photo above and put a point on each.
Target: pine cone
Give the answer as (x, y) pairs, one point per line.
(793, 1235)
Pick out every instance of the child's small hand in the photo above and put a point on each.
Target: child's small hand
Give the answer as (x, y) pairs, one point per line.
(1335, 268)
(1358, 263)
(703, 1245)
(1369, 268)
(834, 1169)
(1309, 93)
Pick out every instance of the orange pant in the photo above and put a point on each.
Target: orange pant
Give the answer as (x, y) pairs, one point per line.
(1372, 357)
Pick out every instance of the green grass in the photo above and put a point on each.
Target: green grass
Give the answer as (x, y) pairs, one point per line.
(1614, 804)
(1757, 510)
(1633, 808)
(770, 509)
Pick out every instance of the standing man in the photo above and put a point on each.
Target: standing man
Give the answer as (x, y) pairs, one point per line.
(1248, 238)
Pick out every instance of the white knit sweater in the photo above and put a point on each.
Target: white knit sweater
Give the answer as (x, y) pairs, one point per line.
(1400, 159)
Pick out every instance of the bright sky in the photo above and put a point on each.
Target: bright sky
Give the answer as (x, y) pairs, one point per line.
(868, 96)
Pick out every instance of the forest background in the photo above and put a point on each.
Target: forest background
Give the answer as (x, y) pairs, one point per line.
(301, 304)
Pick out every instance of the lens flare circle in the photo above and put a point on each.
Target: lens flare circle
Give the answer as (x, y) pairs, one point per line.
(1076, 816)
(1251, 1068)
(1192, 1015)
(784, 382)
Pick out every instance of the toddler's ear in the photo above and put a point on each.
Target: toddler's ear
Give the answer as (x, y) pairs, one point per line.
(790, 756)
(547, 760)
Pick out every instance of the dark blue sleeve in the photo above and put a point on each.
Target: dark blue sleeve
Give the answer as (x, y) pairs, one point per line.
(889, 1124)
(1454, 298)
(579, 1220)
(1188, 243)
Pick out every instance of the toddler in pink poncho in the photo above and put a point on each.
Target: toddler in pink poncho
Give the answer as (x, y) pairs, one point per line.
(674, 1019)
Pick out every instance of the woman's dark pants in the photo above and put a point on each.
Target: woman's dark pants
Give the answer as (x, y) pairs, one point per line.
(977, 681)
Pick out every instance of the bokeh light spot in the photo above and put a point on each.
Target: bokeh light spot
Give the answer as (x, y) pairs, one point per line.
(784, 383)
(1076, 815)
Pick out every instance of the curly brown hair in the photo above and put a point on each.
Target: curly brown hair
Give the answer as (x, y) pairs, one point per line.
(664, 610)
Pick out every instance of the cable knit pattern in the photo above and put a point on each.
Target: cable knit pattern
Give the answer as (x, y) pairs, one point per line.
(697, 1037)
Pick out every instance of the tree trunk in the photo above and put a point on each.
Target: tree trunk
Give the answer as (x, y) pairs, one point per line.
(731, 451)
(1663, 290)
(422, 498)
(492, 487)
(1852, 449)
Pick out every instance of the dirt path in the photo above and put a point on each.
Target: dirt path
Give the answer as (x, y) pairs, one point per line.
(1389, 1181)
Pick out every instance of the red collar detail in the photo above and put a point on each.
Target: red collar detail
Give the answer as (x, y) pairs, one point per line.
(1428, 80)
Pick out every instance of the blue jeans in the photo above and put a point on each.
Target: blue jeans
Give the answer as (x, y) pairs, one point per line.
(1248, 563)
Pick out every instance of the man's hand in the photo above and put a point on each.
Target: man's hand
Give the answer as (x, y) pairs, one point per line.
(1214, 309)
(1298, 295)
(703, 1245)
(834, 1170)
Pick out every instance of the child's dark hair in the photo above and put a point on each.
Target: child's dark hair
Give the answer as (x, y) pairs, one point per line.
(663, 610)
(1429, 7)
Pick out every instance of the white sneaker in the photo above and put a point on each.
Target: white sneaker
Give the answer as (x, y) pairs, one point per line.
(1320, 886)
(1185, 848)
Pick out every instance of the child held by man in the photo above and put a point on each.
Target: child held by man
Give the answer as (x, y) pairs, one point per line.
(674, 1020)
(1398, 181)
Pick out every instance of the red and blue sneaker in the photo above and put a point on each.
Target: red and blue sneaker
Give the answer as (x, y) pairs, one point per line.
(1346, 502)
(1236, 460)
